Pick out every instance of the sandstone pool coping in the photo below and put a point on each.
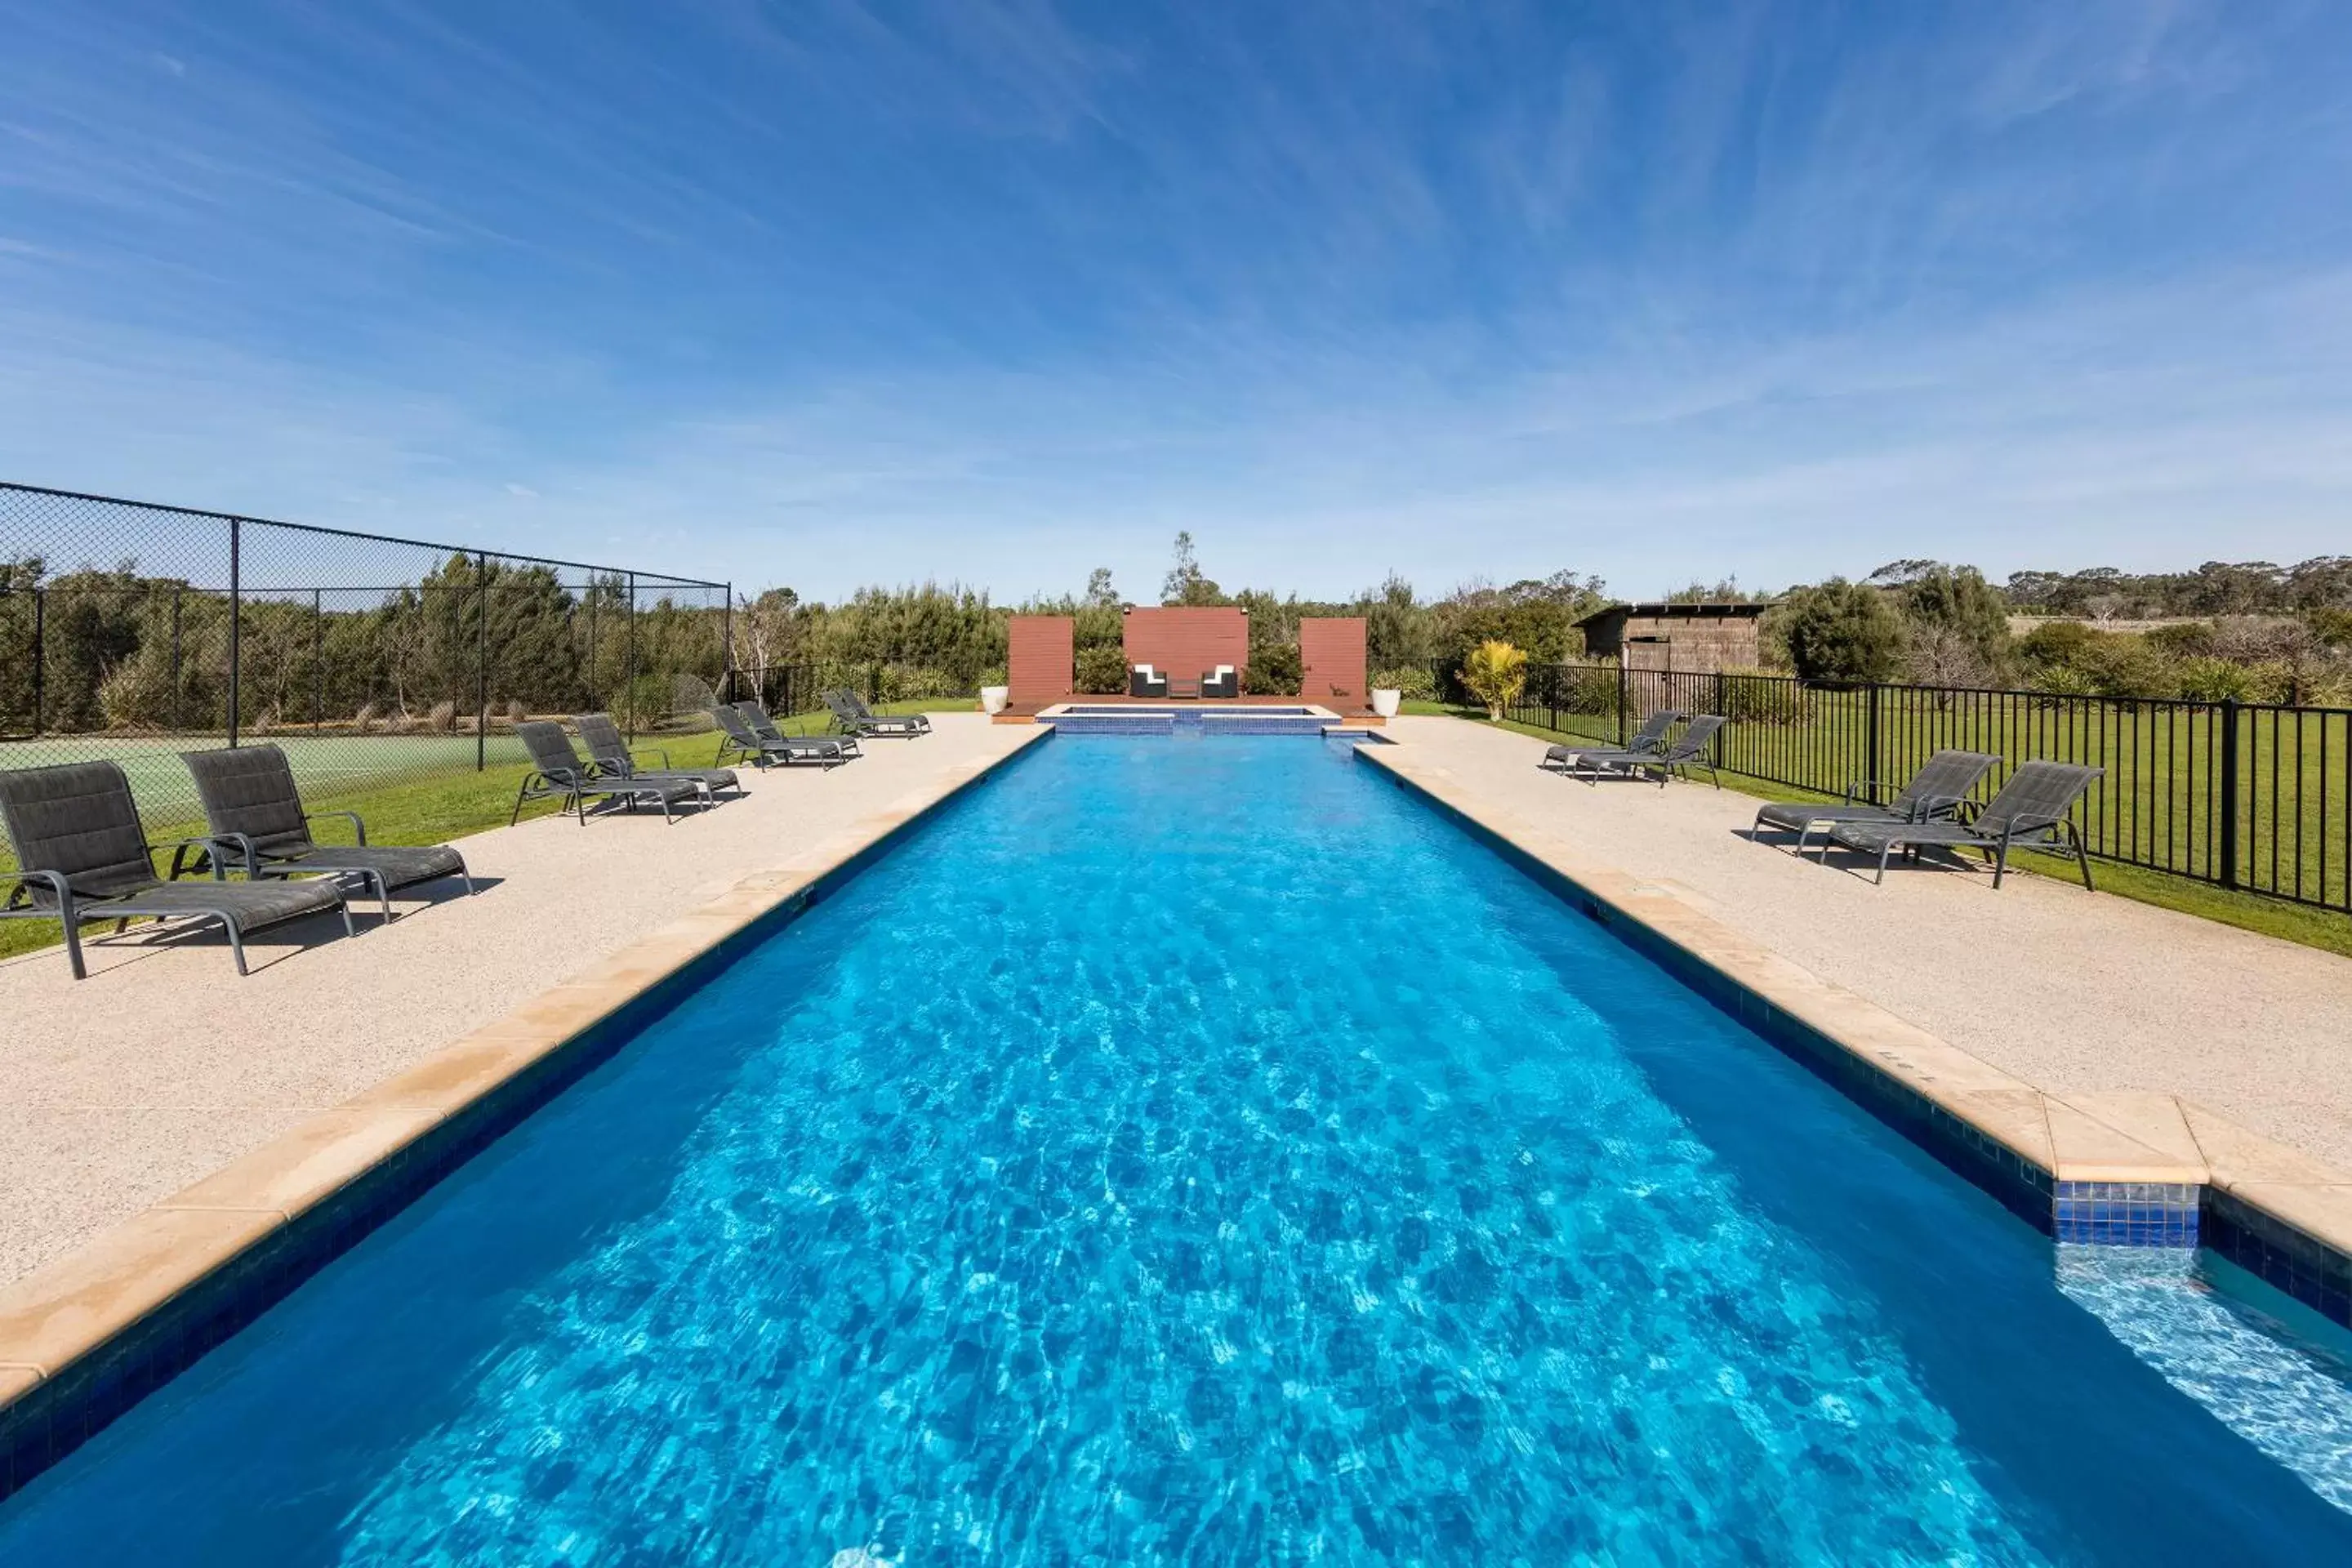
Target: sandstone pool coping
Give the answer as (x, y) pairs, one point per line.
(61, 1316)
(2150, 1137)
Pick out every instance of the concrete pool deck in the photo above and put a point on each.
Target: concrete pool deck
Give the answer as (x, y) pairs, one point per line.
(164, 1066)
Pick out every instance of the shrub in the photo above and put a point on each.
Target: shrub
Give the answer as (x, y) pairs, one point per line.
(1414, 680)
(443, 719)
(1496, 673)
(1842, 633)
(515, 712)
(364, 719)
(2056, 643)
(1101, 671)
(137, 693)
(2208, 679)
(642, 703)
(2192, 639)
(1273, 670)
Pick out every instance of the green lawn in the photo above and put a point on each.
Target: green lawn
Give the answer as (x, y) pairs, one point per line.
(433, 809)
(2294, 922)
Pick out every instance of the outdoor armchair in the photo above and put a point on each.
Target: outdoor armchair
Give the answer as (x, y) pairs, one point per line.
(1693, 748)
(82, 856)
(1936, 792)
(1650, 736)
(256, 822)
(1222, 681)
(609, 754)
(558, 771)
(850, 712)
(1142, 681)
(2030, 813)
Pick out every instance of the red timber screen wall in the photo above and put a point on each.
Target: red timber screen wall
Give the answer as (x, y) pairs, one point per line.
(1186, 643)
(1040, 660)
(1332, 662)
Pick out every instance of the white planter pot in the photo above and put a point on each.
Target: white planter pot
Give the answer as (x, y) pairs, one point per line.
(993, 699)
(1386, 701)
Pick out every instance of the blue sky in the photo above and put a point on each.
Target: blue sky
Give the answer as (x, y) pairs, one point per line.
(826, 294)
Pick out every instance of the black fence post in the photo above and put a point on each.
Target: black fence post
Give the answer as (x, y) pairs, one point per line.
(482, 665)
(178, 685)
(726, 646)
(629, 664)
(874, 681)
(40, 654)
(1722, 706)
(2229, 722)
(318, 660)
(236, 654)
(1870, 750)
(1622, 677)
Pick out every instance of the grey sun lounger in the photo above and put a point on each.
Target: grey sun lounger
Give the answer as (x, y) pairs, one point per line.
(82, 856)
(1934, 795)
(1650, 736)
(557, 770)
(1686, 750)
(849, 711)
(751, 734)
(2030, 813)
(608, 753)
(257, 825)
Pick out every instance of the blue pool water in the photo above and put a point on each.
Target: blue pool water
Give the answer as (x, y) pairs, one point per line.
(1199, 1150)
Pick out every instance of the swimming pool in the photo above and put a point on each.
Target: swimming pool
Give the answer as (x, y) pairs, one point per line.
(1211, 1153)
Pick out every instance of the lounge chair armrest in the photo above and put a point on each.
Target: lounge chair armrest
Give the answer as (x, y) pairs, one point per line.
(1865, 790)
(352, 817)
(19, 881)
(1931, 806)
(214, 849)
(661, 757)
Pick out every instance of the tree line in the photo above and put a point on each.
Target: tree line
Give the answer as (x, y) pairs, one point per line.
(120, 649)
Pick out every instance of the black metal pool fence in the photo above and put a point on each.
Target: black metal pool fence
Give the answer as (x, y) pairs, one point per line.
(133, 631)
(2256, 796)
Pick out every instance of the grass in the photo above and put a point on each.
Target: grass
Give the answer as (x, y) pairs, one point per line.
(436, 809)
(2300, 923)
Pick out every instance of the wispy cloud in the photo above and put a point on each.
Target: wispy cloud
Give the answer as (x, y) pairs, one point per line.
(849, 291)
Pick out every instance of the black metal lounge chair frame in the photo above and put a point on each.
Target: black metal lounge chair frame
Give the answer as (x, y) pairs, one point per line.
(574, 782)
(2044, 822)
(1694, 748)
(290, 851)
(852, 717)
(752, 733)
(1938, 792)
(48, 892)
(609, 758)
(1650, 736)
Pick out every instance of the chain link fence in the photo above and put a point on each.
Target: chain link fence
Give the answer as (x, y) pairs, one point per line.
(135, 632)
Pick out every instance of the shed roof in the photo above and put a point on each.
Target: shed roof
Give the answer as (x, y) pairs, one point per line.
(1662, 609)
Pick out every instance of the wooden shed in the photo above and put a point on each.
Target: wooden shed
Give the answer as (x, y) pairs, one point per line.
(1695, 640)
